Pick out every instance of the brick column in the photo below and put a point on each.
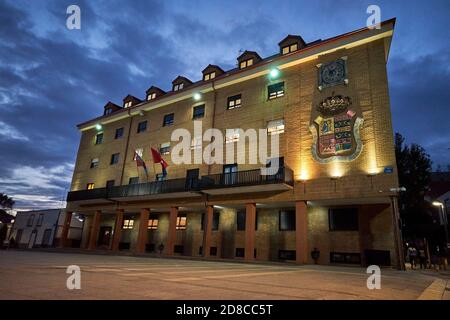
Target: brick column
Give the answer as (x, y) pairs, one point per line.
(94, 230)
(65, 229)
(301, 232)
(250, 217)
(207, 230)
(172, 233)
(117, 230)
(143, 229)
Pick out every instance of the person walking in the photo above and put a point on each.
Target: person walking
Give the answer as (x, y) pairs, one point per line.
(443, 258)
(412, 253)
(422, 259)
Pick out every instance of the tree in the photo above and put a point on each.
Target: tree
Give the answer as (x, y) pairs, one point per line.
(414, 171)
(5, 201)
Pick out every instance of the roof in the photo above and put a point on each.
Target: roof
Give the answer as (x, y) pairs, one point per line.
(267, 60)
(292, 36)
(249, 53)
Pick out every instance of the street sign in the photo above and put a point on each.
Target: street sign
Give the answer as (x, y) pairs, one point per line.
(388, 169)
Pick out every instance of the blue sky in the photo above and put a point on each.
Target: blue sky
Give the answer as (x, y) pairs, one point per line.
(52, 78)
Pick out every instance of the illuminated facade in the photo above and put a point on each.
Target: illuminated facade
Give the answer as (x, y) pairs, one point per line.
(329, 103)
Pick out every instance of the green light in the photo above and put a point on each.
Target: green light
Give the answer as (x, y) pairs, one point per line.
(197, 96)
(274, 73)
(98, 126)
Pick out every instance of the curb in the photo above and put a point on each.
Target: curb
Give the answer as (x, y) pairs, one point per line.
(435, 291)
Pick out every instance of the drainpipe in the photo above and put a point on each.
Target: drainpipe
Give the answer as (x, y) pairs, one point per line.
(126, 148)
(213, 114)
(56, 229)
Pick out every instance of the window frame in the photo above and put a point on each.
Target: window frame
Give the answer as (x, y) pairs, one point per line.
(271, 96)
(288, 220)
(128, 224)
(168, 123)
(234, 137)
(113, 157)
(109, 182)
(30, 220)
(332, 227)
(201, 107)
(139, 127)
(40, 220)
(234, 99)
(164, 148)
(117, 135)
(277, 129)
(153, 222)
(97, 136)
(94, 164)
(246, 63)
(180, 225)
(90, 186)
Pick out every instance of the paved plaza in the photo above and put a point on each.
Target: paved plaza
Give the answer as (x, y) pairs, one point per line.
(42, 275)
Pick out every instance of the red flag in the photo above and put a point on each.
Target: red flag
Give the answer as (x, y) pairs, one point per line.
(156, 156)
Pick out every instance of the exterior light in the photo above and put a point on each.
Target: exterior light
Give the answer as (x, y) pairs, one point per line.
(197, 96)
(98, 126)
(335, 177)
(437, 204)
(274, 73)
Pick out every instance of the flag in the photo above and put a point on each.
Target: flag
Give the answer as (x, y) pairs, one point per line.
(140, 162)
(158, 159)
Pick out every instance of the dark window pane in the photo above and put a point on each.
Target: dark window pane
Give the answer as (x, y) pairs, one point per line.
(99, 138)
(119, 133)
(215, 222)
(345, 257)
(234, 102)
(142, 126)
(287, 220)
(240, 220)
(344, 219)
(133, 180)
(110, 183)
(275, 90)
(114, 158)
(286, 254)
(198, 112)
(168, 119)
(240, 252)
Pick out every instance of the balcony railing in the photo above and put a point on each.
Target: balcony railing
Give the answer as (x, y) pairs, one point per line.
(223, 180)
(246, 178)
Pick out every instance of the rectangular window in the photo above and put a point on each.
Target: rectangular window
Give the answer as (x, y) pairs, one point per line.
(133, 180)
(240, 252)
(139, 151)
(128, 104)
(153, 222)
(30, 220)
(287, 220)
(198, 112)
(119, 133)
(290, 48)
(168, 119)
(178, 87)
(99, 138)
(347, 258)
(213, 251)
(286, 254)
(178, 248)
(40, 219)
(275, 90)
(165, 148)
(246, 63)
(240, 220)
(114, 158)
(344, 219)
(196, 142)
(94, 163)
(142, 126)
(275, 127)
(90, 186)
(181, 222)
(234, 102)
(128, 224)
(215, 222)
(151, 96)
(109, 183)
(231, 135)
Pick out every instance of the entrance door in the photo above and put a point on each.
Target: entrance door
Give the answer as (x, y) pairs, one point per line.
(230, 173)
(191, 178)
(104, 236)
(32, 240)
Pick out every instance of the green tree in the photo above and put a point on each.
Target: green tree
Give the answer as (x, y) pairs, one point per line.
(5, 201)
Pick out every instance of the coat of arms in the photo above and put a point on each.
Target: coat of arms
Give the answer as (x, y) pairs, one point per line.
(335, 130)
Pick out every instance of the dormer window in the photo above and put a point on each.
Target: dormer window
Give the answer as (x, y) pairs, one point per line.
(246, 63)
(108, 111)
(154, 92)
(209, 76)
(178, 86)
(130, 101)
(151, 96)
(290, 48)
(128, 104)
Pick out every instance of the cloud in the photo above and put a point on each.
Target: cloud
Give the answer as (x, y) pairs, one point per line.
(9, 132)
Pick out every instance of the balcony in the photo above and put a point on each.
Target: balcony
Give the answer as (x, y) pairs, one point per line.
(224, 183)
(247, 181)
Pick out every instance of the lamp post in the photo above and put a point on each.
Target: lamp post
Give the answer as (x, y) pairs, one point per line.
(443, 218)
(397, 227)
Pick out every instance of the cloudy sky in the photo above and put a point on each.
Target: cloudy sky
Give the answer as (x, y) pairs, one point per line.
(52, 78)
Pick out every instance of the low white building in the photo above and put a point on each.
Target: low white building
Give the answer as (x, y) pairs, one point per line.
(42, 228)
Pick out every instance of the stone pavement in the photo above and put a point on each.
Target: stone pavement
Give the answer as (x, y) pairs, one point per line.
(42, 275)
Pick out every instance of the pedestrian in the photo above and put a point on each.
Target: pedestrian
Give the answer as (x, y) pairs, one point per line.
(412, 253)
(443, 258)
(422, 259)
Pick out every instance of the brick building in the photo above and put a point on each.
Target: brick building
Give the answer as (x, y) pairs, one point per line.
(328, 102)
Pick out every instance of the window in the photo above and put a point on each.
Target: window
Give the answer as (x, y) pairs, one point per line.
(275, 127)
(138, 151)
(234, 102)
(40, 219)
(240, 220)
(213, 251)
(142, 126)
(347, 258)
(196, 142)
(178, 248)
(165, 148)
(286, 254)
(151, 96)
(114, 158)
(240, 252)
(99, 138)
(128, 104)
(181, 222)
(290, 48)
(246, 63)
(168, 119)
(109, 183)
(345, 219)
(94, 163)
(210, 76)
(108, 111)
(160, 177)
(133, 180)
(128, 224)
(275, 90)
(215, 222)
(90, 186)
(230, 173)
(30, 220)
(287, 220)
(231, 135)
(178, 87)
(119, 133)
(198, 112)
(153, 222)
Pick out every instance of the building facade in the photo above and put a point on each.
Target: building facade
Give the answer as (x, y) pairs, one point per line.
(43, 229)
(331, 198)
